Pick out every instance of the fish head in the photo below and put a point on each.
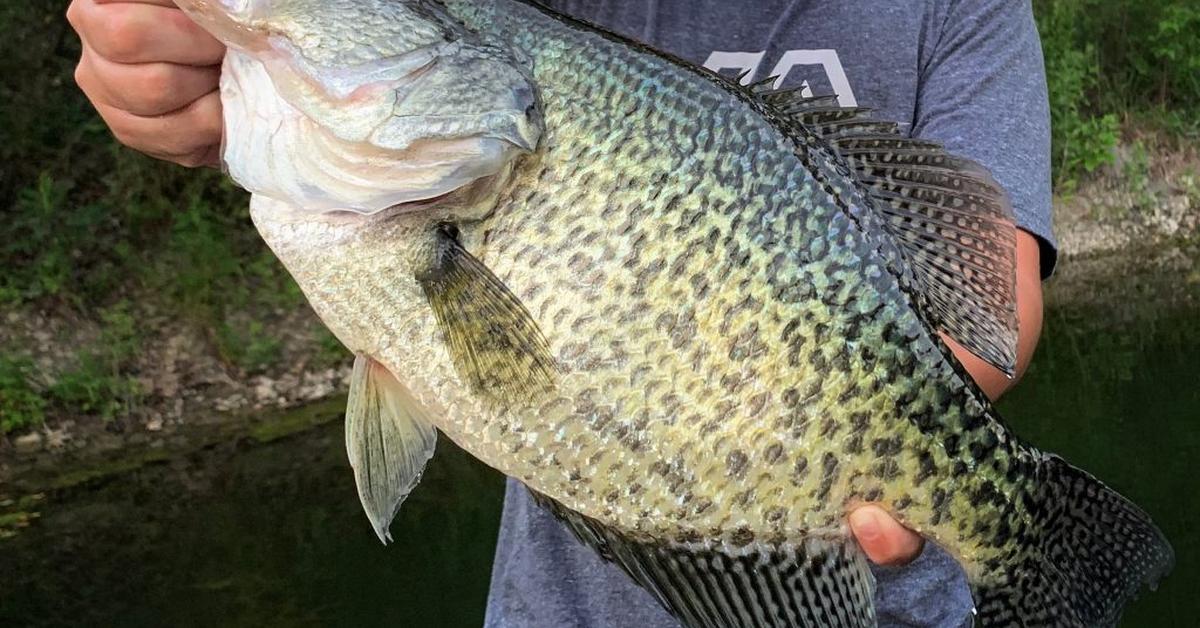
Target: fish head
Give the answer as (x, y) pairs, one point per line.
(365, 105)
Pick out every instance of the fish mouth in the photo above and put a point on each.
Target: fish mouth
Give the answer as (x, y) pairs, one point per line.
(368, 149)
(390, 122)
(446, 83)
(414, 95)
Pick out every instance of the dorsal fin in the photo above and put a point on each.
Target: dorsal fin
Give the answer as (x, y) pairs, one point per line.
(950, 220)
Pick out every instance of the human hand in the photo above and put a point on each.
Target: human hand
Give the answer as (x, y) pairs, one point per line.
(153, 75)
(883, 539)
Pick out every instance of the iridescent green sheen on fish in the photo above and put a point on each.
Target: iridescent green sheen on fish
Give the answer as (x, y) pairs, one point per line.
(700, 321)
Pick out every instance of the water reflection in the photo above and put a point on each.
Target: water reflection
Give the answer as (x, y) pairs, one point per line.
(1123, 403)
(270, 536)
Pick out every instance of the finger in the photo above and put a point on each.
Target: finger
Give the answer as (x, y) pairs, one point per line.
(882, 538)
(145, 89)
(182, 133)
(161, 3)
(209, 157)
(143, 32)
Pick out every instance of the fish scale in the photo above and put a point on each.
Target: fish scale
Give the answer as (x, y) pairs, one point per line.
(699, 320)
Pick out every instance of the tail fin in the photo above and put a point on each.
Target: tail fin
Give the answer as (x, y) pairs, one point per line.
(1091, 551)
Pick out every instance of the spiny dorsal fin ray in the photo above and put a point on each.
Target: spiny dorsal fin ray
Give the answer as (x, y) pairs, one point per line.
(388, 440)
(901, 178)
(903, 156)
(951, 221)
(842, 129)
(496, 346)
(825, 115)
(813, 583)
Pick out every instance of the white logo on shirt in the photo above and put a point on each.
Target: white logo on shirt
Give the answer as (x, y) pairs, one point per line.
(749, 62)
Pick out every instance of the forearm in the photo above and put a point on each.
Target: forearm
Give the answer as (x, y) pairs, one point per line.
(1029, 323)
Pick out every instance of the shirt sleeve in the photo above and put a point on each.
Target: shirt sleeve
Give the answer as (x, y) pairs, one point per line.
(930, 592)
(982, 93)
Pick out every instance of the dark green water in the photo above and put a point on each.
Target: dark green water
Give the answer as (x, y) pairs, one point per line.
(267, 536)
(1123, 402)
(273, 535)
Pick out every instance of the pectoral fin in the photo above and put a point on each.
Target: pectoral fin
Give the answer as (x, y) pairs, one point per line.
(388, 439)
(495, 344)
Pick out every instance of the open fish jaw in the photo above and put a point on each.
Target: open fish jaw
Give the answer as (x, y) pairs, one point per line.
(341, 106)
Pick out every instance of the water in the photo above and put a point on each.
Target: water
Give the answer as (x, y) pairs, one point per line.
(1115, 390)
(269, 536)
(274, 536)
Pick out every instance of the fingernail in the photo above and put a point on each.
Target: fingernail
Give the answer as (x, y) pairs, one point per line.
(866, 525)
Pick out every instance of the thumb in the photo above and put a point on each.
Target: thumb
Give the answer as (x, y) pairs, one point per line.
(882, 538)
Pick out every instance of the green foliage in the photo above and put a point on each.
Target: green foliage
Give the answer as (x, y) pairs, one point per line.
(91, 227)
(100, 384)
(1082, 141)
(249, 345)
(221, 275)
(1137, 173)
(1108, 60)
(93, 390)
(1172, 59)
(21, 406)
(35, 241)
(330, 350)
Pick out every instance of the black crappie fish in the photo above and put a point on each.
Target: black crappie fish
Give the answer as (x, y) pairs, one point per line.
(698, 320)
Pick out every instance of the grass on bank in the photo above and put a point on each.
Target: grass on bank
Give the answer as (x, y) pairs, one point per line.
(90, 230)
(101, 234)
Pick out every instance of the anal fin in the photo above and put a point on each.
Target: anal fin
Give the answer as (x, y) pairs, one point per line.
(1087, 552)
(388, 440)
(816, 583)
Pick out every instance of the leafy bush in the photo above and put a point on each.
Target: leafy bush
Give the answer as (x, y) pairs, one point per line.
(1082, 141)
(100, 384)
(34, 250)
(1108, 60)
(1164, 67)
(93, 389)
(21, 405)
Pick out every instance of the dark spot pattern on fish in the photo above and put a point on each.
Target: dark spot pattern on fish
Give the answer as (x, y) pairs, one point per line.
(773, 453)
(829, 475)
(736, 463)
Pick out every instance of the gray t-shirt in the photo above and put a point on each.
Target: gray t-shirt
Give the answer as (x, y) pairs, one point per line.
(967, 73)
